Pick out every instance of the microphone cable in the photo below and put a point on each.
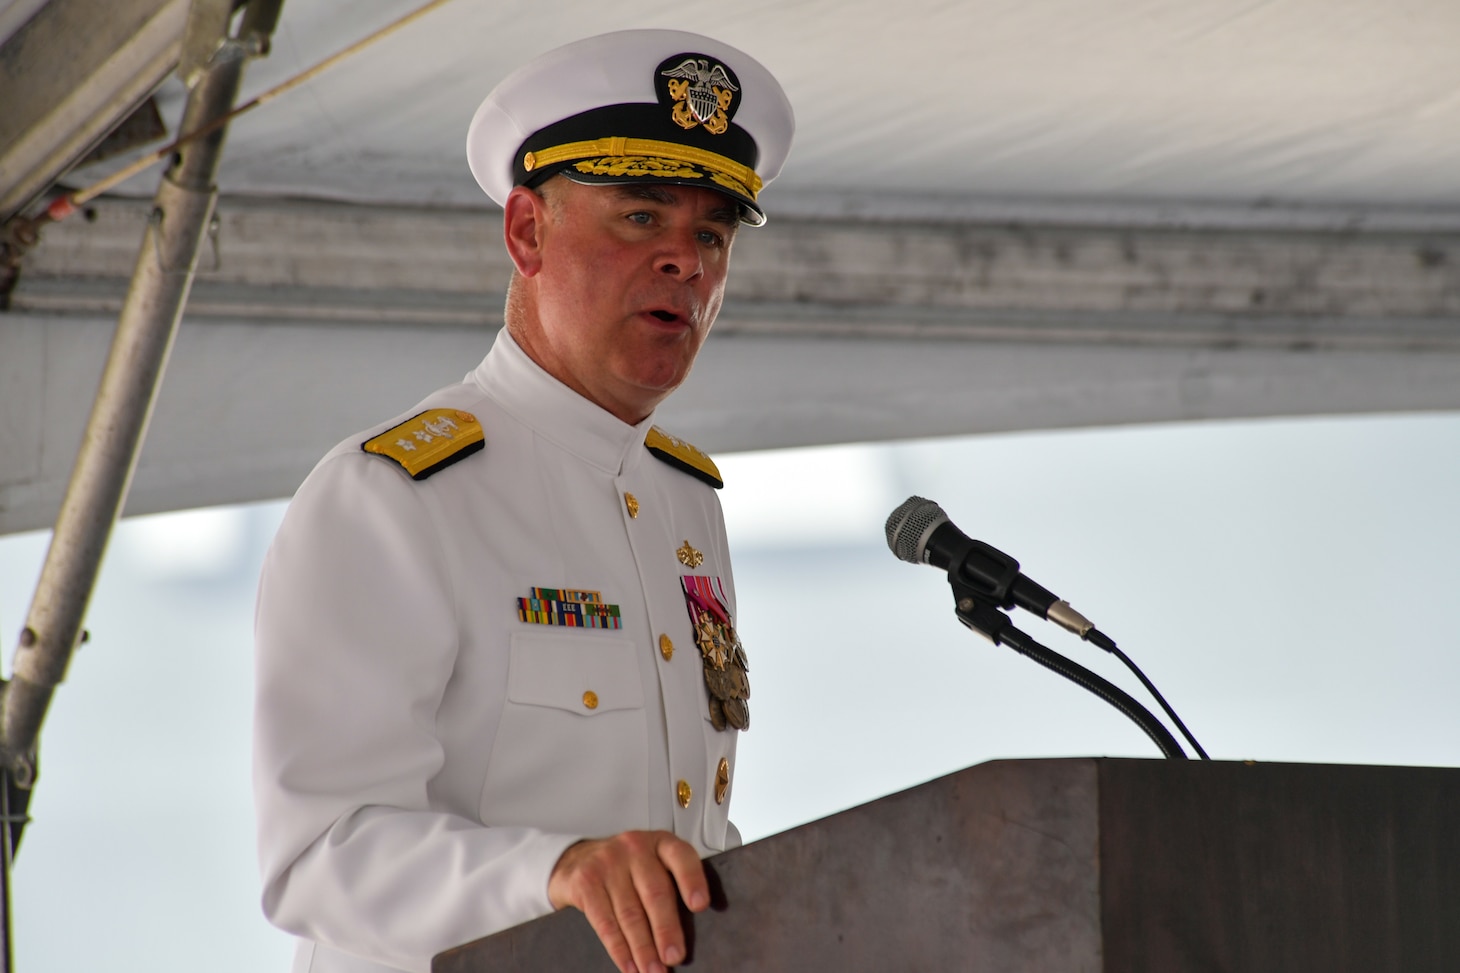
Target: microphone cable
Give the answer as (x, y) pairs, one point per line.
(986, 619)
(1099, 639)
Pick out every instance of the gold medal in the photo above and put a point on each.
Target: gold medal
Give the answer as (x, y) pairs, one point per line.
(737, 714)
(725, 672)
(721, 653)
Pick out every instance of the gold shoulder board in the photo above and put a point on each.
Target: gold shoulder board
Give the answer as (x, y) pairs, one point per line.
(429, 442)
(683, 457)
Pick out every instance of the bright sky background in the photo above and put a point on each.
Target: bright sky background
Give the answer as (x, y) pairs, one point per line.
(1289, 585)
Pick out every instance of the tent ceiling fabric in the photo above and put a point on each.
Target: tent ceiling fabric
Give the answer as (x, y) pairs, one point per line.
(996, 216)
(1342, 101)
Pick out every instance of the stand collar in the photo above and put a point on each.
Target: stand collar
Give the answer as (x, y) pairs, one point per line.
(551, 409)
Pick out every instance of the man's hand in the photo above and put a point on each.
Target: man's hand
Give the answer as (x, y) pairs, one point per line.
(625, 885)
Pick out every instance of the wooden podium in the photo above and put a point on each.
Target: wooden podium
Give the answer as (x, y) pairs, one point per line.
(1045, 866)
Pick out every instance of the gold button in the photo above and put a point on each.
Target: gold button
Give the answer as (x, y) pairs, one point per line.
(632, 502)
(590, 699)
(684, 793)
(465, 416)
(722, 780)
(528, 161)
(666, 647)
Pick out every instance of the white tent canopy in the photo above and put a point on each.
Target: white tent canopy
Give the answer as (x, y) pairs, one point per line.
(1336, 101)
(995, 217)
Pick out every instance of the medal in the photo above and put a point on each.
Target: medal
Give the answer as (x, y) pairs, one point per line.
(720, 651)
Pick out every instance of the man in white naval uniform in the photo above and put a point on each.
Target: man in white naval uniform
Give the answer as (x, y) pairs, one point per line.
(497, 672)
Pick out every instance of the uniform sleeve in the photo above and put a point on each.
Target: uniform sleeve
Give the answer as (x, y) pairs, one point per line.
(356, 640)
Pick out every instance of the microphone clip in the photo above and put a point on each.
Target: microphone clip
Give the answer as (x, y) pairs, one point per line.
(985, 571)
(978, 610)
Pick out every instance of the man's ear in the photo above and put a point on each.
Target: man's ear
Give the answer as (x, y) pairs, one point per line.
(524, 221)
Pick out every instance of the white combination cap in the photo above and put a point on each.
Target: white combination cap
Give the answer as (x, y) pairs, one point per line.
(636, 106)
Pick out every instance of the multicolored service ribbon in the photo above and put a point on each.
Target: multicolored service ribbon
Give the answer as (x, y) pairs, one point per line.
(569, 607)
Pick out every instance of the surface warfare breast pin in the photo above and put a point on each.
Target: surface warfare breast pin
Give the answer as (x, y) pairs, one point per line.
(726, 668)
(688, 556)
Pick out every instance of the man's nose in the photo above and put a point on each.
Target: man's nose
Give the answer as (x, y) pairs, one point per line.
(680, 257)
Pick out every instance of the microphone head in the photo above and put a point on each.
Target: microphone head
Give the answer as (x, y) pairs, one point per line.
(909, 527)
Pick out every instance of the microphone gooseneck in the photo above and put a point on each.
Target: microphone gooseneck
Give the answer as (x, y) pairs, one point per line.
(985, 580)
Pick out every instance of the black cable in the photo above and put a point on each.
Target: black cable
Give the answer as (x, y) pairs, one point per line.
(1098, 685)
(1099, 638)
(986, 619)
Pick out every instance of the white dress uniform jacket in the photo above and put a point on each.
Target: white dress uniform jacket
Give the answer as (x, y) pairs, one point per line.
(422, 756)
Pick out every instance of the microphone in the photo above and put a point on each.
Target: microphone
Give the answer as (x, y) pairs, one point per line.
(919, 532)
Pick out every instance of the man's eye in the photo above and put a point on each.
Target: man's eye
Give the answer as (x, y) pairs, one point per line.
(643, 219)
(711, 239)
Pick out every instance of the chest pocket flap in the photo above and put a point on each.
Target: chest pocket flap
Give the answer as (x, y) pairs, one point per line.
(581, 674)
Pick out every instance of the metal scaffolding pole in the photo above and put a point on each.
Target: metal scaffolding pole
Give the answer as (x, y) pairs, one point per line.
(182, 210)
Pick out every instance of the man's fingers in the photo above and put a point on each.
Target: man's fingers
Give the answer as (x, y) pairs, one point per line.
(599, 911)
(626, 887)
(639, 926)
(656, 891)
(684, 864)
(582, 879)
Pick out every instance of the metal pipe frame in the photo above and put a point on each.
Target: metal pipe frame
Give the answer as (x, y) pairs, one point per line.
(166, 263)
(164, 274)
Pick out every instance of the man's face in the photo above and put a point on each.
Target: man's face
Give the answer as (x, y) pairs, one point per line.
(625, 285)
